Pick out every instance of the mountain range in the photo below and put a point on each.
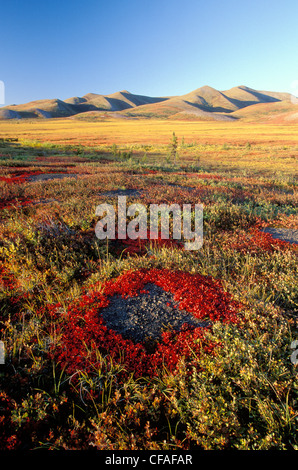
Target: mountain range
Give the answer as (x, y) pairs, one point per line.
(205, 103)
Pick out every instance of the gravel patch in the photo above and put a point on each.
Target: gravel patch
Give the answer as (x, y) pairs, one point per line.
(50, 176)
(146, 316)
(122, 192)
(284, 234)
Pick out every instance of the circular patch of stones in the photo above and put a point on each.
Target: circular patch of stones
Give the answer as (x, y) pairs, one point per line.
(147, 315)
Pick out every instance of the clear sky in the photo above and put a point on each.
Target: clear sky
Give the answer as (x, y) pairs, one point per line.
(65, 48)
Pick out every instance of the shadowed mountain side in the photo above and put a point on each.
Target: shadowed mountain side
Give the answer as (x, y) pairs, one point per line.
(42, 108)
(75, 100)
(279, 95)
(113, 102)
(173, 107)
(9, 114)
(209, 99)
(243, 96)
(280, 111)
(135, 100)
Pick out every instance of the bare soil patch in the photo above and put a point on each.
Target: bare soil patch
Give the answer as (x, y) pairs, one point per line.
(50, 176)
(284, 234)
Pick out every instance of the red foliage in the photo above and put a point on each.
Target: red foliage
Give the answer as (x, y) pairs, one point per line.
(7, 280)
(83, 330)
(19, 177)
(255, 241)
(13, 297)
(151, 172)
(6, 204)
(8, 440)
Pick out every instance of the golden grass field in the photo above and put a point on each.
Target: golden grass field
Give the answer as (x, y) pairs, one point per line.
(146, 131)
(261, 147)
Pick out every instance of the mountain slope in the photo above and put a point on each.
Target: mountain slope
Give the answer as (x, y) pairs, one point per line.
(208, 98)
(243, 96)
(42, 108)
(275, 112)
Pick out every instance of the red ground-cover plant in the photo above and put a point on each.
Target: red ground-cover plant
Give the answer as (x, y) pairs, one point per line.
(255, 241)
(83, 331)
(8, 436)
(19, 176)
(7, 280)
(151, 172)
(11, 296)
(21, 202)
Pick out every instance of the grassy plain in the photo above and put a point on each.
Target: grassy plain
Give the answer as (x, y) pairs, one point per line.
(255, 147)
(149, 131)
(241, 395)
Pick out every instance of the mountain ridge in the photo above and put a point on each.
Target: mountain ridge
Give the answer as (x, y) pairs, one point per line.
(202, 103)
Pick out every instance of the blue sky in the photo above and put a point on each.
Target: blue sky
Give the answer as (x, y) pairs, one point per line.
(59, 49)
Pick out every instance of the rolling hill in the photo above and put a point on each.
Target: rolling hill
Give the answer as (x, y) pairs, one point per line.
(205, 103)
